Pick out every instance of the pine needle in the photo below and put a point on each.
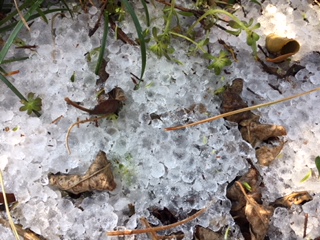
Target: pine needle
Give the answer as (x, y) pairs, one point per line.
(161, 228)
(13, 227)
(242, 110)
(21, 16)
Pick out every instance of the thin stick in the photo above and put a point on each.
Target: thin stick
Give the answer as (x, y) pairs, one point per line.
(76, 105)
(306, 216)
(161, 228)
(80, 122)
(153, 234)
(57, 120)
(241, 110)
(13, 227)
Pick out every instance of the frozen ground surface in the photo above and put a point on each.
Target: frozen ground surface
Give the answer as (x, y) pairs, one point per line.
(180, 170)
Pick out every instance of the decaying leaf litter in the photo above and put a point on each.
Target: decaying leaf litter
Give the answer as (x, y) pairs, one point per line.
(252, 217)
(252, 134)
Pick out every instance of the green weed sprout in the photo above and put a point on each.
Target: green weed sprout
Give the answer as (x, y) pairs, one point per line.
(32, 104)
(163, 47)
(218, 63)
(236, 24)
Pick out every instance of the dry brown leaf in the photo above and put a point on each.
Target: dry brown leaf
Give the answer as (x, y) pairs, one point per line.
(253, 179)
(98, 177)
(106, 107)
(231, 100)
(267, 154)
(255, 133)
(10, 198)
(257, 215)
(238, 200)
(251, 129)
(202, 233)
(297, 198)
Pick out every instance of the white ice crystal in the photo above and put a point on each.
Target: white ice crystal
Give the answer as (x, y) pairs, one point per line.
(180, 170)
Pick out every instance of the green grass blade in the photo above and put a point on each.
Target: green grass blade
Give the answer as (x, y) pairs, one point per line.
(43, 16)
(15, 12)
(69, 10)
(140, 35)
(12, 25)
(14, 60)
(146, 12)
(12, 87)
(15, 90)
(104, 42)
(16, 31)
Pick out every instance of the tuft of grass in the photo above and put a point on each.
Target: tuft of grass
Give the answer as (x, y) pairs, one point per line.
(34, 5)
(104, 42)
(140, 36)
(17, 29)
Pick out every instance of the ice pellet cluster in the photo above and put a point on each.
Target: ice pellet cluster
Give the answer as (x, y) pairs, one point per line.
(180, 170)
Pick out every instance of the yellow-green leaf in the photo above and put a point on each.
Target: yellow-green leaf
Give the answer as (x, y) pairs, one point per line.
(307, 177)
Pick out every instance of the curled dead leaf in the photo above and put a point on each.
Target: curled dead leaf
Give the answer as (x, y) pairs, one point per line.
(202, 233)
(297, 198)
(255, 133)
(268, 153)
(98, 177)
(252, 131)
(234, 194)
(257, 215)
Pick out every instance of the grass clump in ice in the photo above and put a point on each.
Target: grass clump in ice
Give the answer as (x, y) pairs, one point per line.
(10, 25)
(207, 18)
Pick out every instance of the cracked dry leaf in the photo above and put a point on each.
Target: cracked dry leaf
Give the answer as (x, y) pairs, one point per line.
(231, 100)
(297, 198)
(98, 177)
(257, 215)
(255, 133)
(267, 154)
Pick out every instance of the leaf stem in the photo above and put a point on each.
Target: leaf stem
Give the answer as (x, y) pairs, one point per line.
(188, 39)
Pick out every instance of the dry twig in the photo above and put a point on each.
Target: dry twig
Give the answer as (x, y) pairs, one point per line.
(161, 228)
(77, 124)
(242, 110)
